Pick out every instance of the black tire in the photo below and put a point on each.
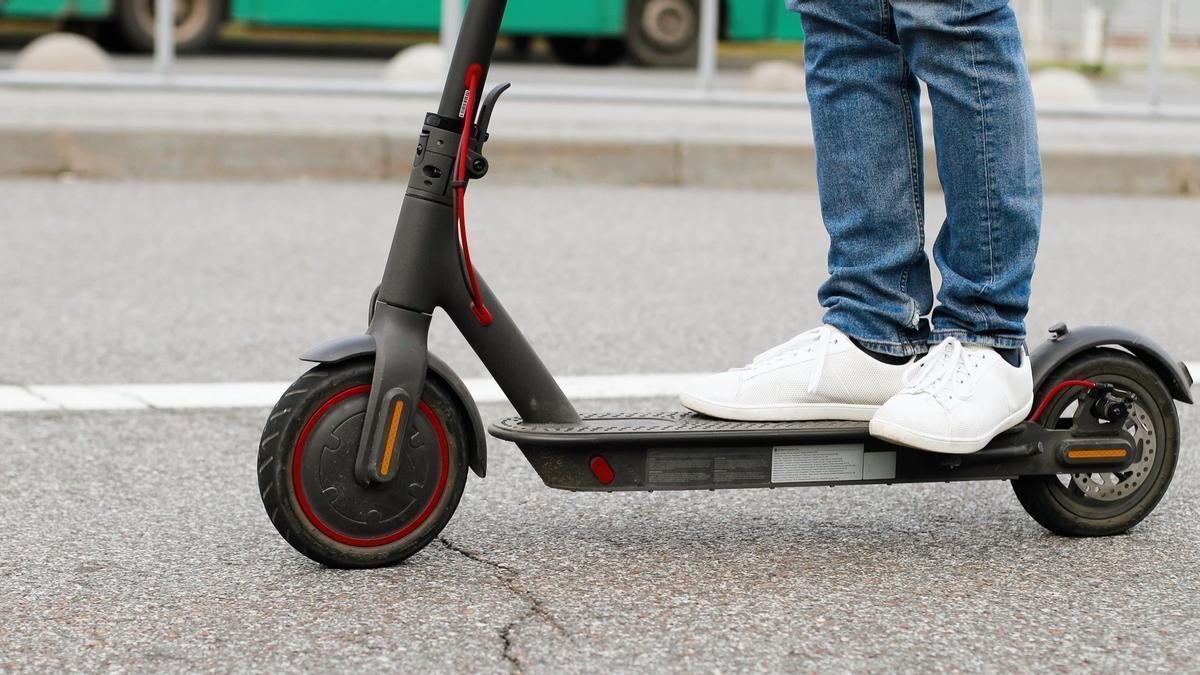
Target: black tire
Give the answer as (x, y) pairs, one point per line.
(196, 25)
(663, 32)
(314, 500)
(1075, 505)
(583, 51)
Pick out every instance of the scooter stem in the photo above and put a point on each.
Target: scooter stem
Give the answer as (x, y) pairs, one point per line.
(423, 273)
(476, 42)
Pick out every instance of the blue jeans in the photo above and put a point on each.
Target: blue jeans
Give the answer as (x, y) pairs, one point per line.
(863, 59)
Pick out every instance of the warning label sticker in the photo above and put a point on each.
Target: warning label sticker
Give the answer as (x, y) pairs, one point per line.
(716, 466)
(817, 463)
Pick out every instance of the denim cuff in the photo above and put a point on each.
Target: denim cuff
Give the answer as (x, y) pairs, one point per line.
(893, 348)
(1001, 341)
(901, 347)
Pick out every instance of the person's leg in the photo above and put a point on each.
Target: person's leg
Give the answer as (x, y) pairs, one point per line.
(868, 141)
(866, 125)
(969, 54)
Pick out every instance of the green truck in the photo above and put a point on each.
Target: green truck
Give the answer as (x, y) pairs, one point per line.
(651, 32)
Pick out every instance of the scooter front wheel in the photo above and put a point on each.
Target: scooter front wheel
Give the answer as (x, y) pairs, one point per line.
(306, 470)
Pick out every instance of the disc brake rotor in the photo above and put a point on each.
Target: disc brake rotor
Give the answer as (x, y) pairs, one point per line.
(1107, 487)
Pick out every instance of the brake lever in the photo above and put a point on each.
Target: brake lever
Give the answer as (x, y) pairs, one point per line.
(485, 113)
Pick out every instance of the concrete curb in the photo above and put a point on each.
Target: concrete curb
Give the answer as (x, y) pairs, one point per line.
(232, 154)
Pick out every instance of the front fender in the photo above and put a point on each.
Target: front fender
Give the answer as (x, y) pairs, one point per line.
(1067, 343)
(341, 349)
(354, 346)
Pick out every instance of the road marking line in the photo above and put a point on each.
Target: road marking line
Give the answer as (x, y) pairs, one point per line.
(265, 394)
(83, 397)
(214, 395)
(20, 399)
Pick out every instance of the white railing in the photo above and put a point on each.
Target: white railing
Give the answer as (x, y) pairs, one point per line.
(709, 29)
(451, 18)
(1158, 44)
(164, 37)
(164, 77)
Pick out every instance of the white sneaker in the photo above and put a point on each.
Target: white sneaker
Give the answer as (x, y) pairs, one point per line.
(957, 399)
(817, 375)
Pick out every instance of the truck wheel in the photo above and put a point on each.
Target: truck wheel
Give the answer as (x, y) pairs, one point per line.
(196, 23)
(663, 32)
(581, 51)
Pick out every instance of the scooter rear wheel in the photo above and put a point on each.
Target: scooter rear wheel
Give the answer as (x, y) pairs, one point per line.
(1100, 504)
(306, 471)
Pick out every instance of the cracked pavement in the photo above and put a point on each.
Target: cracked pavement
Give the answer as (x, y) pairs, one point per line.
(537, 611)
(136, 541)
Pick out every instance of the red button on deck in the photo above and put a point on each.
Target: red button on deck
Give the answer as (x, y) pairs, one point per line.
(602, 470)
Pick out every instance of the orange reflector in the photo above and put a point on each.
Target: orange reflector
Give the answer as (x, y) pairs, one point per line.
(602, 470)
(391, 438)
(1097, 453)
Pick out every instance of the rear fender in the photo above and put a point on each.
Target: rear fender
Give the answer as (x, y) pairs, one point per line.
(1067, 343)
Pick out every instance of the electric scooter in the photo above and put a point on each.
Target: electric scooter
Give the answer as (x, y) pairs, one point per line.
(363, 460)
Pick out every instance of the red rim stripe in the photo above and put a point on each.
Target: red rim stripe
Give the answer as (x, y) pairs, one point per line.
(298, 487)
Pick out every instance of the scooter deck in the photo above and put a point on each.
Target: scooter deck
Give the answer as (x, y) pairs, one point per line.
(685, 451)
(658, 427)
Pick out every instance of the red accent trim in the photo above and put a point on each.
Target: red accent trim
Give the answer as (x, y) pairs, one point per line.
(602, 470)
(302, 499)
(474, 73)
(1054, 392)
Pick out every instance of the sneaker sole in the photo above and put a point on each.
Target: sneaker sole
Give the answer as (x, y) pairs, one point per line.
(894, 433)
(801, 412)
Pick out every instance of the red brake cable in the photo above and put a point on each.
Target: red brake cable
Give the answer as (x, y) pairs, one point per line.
(1054, 392)
(474, 73)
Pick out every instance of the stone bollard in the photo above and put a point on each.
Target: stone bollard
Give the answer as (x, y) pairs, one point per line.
(62, 52)
(783, 77)
(1060, 87)
(418, 64)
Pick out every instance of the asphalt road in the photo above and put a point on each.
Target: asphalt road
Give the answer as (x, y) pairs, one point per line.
(136, 541)
(195, 282)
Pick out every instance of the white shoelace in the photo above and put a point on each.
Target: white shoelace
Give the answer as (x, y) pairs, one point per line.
(818, 339)
(947, 370)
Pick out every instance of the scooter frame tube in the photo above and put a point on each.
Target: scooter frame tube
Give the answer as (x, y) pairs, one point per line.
(422, 274)
(476, 42)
